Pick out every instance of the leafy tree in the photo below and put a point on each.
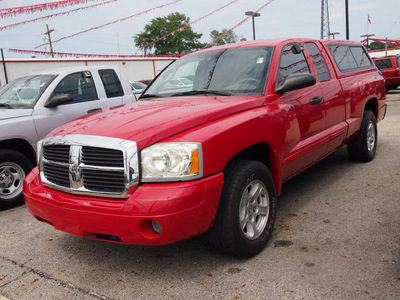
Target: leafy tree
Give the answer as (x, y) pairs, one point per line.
(230, 37)
(375, 46)
(380, 46)
(183, 41)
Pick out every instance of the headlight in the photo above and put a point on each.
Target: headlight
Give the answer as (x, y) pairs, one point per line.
(172, 162)
(39, 150)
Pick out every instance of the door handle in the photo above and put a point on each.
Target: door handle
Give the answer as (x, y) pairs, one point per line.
(93, 110)
(316, 100)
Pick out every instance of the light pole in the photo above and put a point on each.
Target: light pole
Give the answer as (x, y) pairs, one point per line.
(333, 34)
(367, 36)
(253, 15)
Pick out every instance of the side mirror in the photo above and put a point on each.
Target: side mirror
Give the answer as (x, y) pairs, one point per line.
(295, 82)
(58, 100)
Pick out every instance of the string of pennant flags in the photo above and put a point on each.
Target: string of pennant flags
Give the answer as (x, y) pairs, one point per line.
(110, 23)
(53, 5)
(239, 24)
(10, 12)
(190, 24)
(82, 55)
(54, 15)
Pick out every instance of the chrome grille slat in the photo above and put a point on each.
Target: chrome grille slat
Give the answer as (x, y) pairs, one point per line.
(57, 174)
(57, 152)
(102, 157)
(90, 165)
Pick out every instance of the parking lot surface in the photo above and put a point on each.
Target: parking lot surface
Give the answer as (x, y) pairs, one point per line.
(337, 237)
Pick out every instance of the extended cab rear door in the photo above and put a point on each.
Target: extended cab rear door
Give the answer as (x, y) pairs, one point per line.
(332, 94)
(308, 106)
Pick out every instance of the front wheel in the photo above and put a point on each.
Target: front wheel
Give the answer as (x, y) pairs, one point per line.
(246, 214)
(363, 148)
(13, 168)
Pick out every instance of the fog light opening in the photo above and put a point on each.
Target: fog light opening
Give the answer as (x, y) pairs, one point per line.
(157, 228)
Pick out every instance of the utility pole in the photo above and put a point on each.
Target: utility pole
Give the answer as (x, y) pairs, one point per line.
(48, 34)
(347, 19)
(367, 36)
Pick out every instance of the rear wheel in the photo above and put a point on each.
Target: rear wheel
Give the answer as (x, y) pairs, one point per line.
(363, 148)
(247, 209)
(13, 169)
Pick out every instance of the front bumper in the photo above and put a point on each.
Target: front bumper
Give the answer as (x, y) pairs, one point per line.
(183, 209)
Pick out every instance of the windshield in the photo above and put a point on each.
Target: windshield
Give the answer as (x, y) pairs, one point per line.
(23, 92)
(239, 71)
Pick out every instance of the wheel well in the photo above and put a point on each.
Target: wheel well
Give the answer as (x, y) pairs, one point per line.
(259, 152)
(21, 146)
(372, 105)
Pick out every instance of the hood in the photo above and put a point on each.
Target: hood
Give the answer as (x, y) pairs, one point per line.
(152, 120)
(14, 113)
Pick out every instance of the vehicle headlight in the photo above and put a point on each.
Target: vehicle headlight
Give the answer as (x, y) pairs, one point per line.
(172, 162)
(39, 150)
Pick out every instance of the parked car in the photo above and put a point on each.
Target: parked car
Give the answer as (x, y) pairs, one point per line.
(212, 158)
(390, 67)
(146, 81)
(138, 87)
(33, 105)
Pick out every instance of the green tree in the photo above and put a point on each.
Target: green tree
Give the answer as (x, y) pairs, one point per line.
(229, 37)
(183, 41)
(375, 46)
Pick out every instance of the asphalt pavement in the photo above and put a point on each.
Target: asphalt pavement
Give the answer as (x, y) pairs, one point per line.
(337, 237)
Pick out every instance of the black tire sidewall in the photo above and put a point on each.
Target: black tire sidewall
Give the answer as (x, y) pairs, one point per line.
(358, 148)
(238, 175)
(21, 160)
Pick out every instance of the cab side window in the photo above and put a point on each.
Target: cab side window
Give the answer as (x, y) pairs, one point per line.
(111, 83)
(350, 58)
(292, 61)
(319, 62)
(79, 86)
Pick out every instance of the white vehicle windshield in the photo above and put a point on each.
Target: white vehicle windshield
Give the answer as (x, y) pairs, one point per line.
(236, 71)
(23, 92)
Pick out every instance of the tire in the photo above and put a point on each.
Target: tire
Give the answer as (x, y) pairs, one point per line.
(247, 209)
(363, 147)
(14, 167)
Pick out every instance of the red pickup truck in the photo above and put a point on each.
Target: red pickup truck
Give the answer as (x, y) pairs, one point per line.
(209, 155)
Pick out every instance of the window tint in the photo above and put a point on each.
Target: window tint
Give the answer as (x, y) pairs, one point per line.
(343, 57)
(292, 62)
(319, 62)
(361, 57)
(350, 57)
(79, 86)
(384, 63)
(111, 83)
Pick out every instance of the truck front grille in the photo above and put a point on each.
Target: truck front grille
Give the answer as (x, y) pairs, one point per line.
(91, 165)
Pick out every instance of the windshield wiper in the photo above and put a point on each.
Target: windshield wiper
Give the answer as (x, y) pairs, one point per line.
(202, 92)
(6, 105)
(150, 96)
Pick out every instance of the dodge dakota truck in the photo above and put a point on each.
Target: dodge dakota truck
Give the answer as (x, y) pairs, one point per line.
(33, 105)
(209, 156)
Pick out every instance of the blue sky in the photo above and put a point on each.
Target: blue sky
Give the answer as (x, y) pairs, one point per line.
(281, 18)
